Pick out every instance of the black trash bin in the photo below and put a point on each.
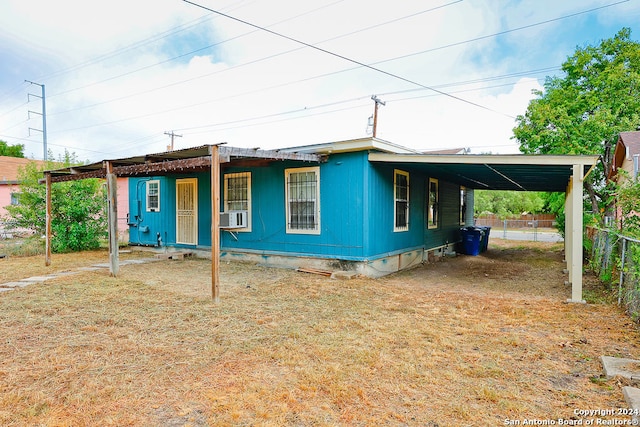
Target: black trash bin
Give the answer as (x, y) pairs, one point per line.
(485, 239)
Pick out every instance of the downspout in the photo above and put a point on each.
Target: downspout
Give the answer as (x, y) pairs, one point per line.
(636, 160)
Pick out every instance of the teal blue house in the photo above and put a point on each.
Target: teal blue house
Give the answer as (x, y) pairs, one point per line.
(343, 212)
(366, 205)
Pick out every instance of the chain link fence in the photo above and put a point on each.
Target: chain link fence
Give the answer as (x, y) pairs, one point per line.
(615, 258)
(521, 229)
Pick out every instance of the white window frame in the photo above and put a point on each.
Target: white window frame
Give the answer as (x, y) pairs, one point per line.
(433, 222)
(227, 208)
(397, 199)
(288, 200)
(148, 207)
(463, 205)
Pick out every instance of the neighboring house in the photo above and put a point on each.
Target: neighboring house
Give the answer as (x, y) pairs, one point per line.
(449, 151)
(9, 183)
(626, 158)
(10, 186)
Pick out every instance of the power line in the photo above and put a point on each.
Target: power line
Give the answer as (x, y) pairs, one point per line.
(337, 55)
(245, 122)
(140, 43)
(239, 65)
(189, 53)
(201, 128)
(423, 87)
(524, 27)
(272, 87)
(335, 38)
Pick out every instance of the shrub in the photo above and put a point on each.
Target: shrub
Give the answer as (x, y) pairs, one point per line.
(78, 217)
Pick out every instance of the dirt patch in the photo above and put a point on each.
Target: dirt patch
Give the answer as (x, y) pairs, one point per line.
(466, 341)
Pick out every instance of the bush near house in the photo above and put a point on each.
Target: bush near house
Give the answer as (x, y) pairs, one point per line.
(615, 253)
(78, 219)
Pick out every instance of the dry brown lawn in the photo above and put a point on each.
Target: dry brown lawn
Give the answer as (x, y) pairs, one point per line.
(469, 341)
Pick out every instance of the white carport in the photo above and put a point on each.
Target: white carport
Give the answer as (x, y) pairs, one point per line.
(553, 173)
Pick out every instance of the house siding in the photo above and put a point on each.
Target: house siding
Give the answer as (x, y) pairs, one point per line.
(448, 230)
(382, 239)
(341, 211)
(356, 212)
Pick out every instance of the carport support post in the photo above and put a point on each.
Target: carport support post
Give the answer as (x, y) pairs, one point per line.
(112, 218)
(575, 257)
(568, 226)
(215, 223)
(47, 256)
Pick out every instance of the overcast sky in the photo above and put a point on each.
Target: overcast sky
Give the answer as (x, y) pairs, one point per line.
(119, 74)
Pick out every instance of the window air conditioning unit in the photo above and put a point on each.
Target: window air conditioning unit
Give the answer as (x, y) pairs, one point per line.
(234, 219)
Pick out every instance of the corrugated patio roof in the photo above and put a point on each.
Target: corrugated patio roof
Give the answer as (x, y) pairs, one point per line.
(185, 160)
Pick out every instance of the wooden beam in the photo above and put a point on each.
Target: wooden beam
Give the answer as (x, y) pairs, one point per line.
(215, 223)
(80, 175)
(112, 218)
(165, 163)
(267, 154)
(163, 167)
(47, 256)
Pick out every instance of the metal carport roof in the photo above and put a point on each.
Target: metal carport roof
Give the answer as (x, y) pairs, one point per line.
(496, 172)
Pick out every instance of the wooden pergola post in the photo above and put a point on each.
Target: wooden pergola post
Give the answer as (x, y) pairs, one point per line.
(215, 223)
(47, 256)
(112, 218)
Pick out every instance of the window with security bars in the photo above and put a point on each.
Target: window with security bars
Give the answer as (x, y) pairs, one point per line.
(237, 193)
(153, 196)
(303, 200)
(401, 199)
(433, 216)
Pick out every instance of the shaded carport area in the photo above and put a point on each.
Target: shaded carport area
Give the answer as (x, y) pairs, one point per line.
(550, 173)
(210, 158)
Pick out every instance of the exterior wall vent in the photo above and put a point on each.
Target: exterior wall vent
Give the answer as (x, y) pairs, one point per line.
(234, 219)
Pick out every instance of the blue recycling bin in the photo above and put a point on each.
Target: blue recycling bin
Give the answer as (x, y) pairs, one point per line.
(485, 238)
(471, 240)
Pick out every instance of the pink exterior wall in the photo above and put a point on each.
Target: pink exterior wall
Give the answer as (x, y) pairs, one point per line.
(5, 197)
(123, 204)
(123, 209)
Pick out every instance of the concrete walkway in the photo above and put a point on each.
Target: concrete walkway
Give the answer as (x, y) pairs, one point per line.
(37, 280)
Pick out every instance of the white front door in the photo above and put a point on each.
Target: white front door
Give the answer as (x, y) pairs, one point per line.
(187, 211)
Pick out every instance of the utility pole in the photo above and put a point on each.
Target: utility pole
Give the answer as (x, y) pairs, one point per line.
(44, 117)
(377, 101)
(172, 135)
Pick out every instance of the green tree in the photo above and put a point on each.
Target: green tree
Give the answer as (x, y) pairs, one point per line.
(507, 203)
(11, 150)
(584, 110)
(78, 220)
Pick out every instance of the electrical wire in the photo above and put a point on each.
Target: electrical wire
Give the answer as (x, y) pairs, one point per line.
(337, 55)
(189, 53)
(151, 114)
(141, 43)
(238, 65)
(422, 87)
